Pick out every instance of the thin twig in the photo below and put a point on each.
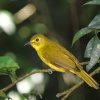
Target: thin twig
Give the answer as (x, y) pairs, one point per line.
(23, 77)
(86, 62)
(67, 92)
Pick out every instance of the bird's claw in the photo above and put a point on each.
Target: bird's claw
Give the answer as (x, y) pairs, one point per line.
(50, 71)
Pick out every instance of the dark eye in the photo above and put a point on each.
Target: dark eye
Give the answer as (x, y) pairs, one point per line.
(37, 39)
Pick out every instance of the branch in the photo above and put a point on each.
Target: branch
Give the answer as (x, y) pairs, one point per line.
(67, 92)
(23, 77)
(86, 62)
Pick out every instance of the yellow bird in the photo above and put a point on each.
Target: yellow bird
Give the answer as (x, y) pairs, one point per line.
(58, 58)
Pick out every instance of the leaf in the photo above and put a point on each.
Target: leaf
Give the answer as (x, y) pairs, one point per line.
(7, 62)
(89, 48)
(3, 95)
(81, 33)
(95, 23)
(8, 66)
(95, 53)
(96, 26)
(93, 2)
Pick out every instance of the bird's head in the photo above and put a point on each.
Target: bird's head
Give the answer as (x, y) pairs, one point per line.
(37, 41)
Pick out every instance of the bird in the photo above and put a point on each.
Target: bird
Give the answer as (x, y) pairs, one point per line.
(58, 58)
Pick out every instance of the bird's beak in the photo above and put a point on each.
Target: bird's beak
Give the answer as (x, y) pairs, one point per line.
(28, 43)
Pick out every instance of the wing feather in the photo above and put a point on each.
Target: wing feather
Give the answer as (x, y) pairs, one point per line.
(60, 57)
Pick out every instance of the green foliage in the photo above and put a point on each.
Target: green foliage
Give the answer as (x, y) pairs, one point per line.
(81, 33)
(6, 62)
(3, 95)
(89, 48)
(93, 52)
(95, 23)
(8, 66)
(93, 47)
(94, 2)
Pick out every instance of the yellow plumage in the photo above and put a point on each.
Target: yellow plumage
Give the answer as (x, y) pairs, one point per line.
(59, 59)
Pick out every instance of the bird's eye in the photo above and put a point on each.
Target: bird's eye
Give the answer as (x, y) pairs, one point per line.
(37, 39)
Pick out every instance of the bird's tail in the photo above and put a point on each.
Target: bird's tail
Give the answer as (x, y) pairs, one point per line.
(88, 79)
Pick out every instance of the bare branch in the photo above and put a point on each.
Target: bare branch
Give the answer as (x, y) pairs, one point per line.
(23, 77)
(67, 92)
(86, 62)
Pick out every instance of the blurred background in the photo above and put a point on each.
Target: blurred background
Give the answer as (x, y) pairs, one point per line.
(59, 20)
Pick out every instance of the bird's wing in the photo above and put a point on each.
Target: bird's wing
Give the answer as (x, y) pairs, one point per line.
(67, 53)
(59, 58)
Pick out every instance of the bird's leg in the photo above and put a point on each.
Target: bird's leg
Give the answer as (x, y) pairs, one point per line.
(50, 71)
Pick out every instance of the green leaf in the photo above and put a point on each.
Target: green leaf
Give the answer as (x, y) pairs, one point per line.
(96, 26)
(95, 53)
(89, 48)
(95, 23)
(81, 33)
(8, 66)
(7, 62)
(3, 96)
(93, 2)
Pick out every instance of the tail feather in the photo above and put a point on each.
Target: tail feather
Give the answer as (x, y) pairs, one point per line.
(88, 79)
